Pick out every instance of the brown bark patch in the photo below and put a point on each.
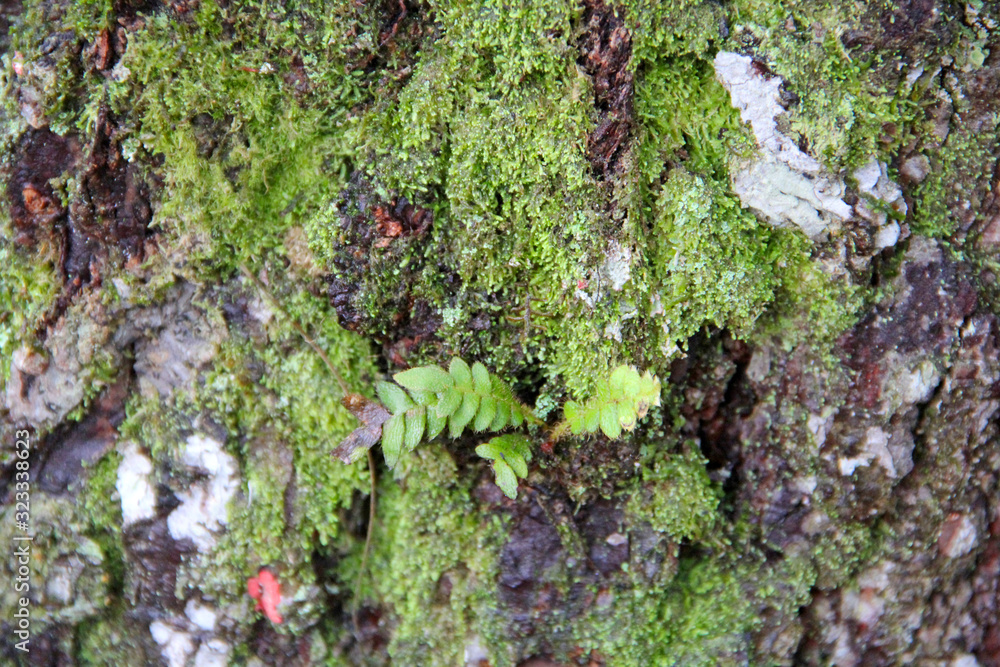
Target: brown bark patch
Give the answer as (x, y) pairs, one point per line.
(376, 236)
(35, 208)
(605, 53)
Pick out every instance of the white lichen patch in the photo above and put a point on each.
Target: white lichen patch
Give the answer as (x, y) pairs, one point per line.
(875, 447)
(613, 330)
(784, 185)
(175, 644)
(887, 236)
(203, 616)
(475, 652)
(617, 267)
(202, 511)
(904, 386)
(178, 640)
(212, 653)
(819, 425)
(957, 537)
(611, 276)
(879, 194)
(138, 497)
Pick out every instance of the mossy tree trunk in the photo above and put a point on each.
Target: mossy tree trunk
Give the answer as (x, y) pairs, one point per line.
(222, 217)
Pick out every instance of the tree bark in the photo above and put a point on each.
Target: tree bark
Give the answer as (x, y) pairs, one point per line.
(222, 218)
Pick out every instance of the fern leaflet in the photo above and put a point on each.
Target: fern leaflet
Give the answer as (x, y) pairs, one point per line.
(510, 454)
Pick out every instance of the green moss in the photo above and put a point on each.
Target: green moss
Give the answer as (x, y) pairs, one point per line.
(715, 261)
(810, 307)
(702, 617)
(51, 36)
(519, 218)
(101, 507)
(108, 641)
(677, 499)
(852, 106)
(434, 561)
(28, 287)
(242, 156)
(708, 612)
(955, 168)
(287, 419)
(487, 125)
(683, 108)
(667, 29)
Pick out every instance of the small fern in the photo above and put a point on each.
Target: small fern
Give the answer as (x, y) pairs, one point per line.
(618, 403)
(435, 398)
(510, 454)
(424, 401)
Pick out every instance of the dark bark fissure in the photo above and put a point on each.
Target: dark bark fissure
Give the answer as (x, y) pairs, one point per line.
(605, 54)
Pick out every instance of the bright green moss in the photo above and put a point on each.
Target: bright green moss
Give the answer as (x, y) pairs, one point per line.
(963, 160)
(28, 287)
(241, 154)
(677, 498)
(683, 107)
(490, 132)
(108, 641)
(666, 29)
(288, 419)
(702, 617)
(811, 306)
(486, 125)
(715, 261)
(494, 121)
(708, 612)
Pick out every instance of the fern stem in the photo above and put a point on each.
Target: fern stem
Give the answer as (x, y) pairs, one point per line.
(368, 544)
(298, 327)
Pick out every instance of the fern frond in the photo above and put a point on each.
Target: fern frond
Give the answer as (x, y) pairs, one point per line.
(510, 454)
(427, 399)
(619, 401)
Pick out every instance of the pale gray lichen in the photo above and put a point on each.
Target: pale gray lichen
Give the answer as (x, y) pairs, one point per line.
(783, 184)
(134, 485)
(879, 194)
(203, 509)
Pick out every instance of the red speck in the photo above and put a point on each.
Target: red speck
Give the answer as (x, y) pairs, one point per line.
(547, 446)
(581, 284)
(265, 590)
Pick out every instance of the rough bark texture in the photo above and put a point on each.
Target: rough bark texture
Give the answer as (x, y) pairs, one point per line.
(788, 211)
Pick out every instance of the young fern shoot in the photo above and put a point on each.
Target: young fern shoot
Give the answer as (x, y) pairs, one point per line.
(619, 402)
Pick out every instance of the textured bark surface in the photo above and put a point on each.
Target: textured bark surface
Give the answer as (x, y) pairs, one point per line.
(790, 214)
